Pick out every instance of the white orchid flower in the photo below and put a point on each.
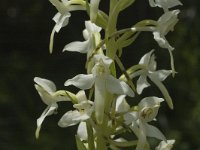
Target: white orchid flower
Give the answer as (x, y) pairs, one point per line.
(165, 145)
(61, 18)
(84, 109)
(94, 6)
(138, 121)
(156, 76)
(166, 23)
(92, 38)
(103, 82)
(165, 4)
(49, 95)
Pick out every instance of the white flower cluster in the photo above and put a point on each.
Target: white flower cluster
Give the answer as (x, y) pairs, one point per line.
(100, 107)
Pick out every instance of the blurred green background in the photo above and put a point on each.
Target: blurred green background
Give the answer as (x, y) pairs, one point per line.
(25, 27)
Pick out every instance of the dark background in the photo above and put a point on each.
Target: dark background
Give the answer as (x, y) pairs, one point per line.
(25, 27)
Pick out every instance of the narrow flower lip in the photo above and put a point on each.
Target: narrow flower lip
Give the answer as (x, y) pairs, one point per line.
(164, 91)
(48, 111)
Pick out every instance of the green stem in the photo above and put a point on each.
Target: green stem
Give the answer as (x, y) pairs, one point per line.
(131, 70)
(121, 66)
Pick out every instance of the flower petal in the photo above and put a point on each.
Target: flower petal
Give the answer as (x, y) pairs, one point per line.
(152, 131)
(69, 119)
(161, 40)
(61, 20)
(91, 27)
(81, 96)
(47, 85)
(150, 102)
(167, 22)
(146, 58)
(106, 60)
(116, 86)
(82, 131)
(148, 108)
(165, 145)
(121, 104)
(166, 4)
(81, 81)
(46, 97)
(48, 111)
(82, 47)
(161, 75)
(142, 83)
(131, 117)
